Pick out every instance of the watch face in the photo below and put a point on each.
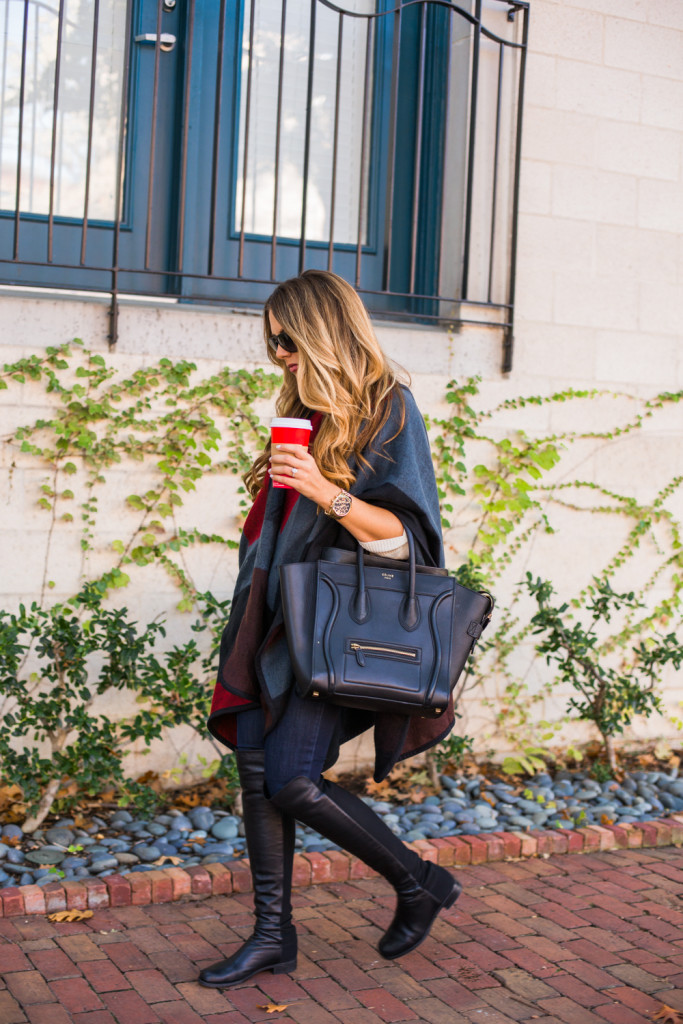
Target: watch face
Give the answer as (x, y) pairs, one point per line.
(341, 504)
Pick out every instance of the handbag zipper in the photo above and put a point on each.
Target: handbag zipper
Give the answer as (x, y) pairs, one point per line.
(360, 648)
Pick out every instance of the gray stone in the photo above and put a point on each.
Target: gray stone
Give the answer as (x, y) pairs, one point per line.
(156, 829)
(72, 861)
(224, 829)
(12, 832)
(121, 816)
(46, 855)
(60, 836)
(45, 879)
(182, 823)
(104, 864)
(126, 858)
(521, 821)
(147, 853)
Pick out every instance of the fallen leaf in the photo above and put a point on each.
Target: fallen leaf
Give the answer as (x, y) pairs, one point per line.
(9, 795)
(377, 788)
(188, 799)
(165, 857)
(70, 915)
(667, 1015)
(272, 1007)
(606, 820)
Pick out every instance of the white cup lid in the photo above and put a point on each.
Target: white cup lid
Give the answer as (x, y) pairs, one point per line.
(288, 421)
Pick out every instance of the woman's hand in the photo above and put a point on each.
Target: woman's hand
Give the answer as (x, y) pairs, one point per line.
(306, 478)
(364, 521)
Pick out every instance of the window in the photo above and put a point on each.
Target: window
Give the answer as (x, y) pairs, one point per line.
(206, 150)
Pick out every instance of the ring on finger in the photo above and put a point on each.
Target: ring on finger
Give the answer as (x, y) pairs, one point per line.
(293, 470)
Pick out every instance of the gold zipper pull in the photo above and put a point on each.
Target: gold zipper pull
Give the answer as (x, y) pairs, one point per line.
(360, 657)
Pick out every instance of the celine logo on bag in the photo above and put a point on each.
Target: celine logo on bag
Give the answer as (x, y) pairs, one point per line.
(387, 575)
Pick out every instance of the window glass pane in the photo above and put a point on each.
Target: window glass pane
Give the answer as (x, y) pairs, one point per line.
(73, 105)
(257, 193)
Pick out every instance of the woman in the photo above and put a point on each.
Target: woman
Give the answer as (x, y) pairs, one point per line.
(366, 476)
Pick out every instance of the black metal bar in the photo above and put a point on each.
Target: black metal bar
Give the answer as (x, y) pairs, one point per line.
(471, 153)
(508, 338)
(216, 138)
(53, 143)
(363, 142)
(444, 168)
(330, 251)
(494, 195)
(20, 139)
(91, 113)
(3, 85)
(120, 162)
(32, 174)
(247, 117)
(307, 139)
(392, 147)
(418, 146)
(153, 136)
(250, 280)
(433, 3)
(186, 124)
(278, 125)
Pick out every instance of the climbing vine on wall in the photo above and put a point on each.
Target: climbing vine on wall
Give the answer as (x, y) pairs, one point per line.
(180, 429)
(499, 487)
(501, 503)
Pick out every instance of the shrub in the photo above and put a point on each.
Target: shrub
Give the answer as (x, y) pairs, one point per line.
(609, 695)
(85, 651)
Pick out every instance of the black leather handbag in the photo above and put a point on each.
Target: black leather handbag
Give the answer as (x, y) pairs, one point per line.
(379, 633)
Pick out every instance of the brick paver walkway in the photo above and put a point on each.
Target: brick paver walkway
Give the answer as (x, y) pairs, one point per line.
(578, 939)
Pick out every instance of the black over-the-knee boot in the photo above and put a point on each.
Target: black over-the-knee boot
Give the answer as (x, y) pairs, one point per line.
(423, 888)
(270, 844)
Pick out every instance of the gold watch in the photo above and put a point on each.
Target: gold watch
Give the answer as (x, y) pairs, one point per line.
(340, 505)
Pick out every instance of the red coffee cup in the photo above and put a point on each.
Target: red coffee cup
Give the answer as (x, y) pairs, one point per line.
(288, 430)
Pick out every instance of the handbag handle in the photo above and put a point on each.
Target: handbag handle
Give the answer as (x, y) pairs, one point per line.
(409, 615)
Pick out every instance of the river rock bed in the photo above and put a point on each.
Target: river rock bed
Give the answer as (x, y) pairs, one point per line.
(468, 805)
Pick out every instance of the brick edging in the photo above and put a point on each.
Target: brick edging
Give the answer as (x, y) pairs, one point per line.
(167, 884)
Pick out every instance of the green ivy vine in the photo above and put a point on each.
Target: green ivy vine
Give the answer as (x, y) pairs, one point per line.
(159, 416)
(502, 487)
(500, 491)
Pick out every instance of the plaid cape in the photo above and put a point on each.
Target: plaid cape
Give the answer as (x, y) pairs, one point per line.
(283, 527)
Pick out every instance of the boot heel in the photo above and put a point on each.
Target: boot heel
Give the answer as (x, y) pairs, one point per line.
(285, 968)
(452, 897)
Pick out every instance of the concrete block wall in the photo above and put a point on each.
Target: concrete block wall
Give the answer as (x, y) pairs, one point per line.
(601, 206)
(599, 304)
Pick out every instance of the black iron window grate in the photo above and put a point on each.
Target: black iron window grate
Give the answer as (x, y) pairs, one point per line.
(208, 150)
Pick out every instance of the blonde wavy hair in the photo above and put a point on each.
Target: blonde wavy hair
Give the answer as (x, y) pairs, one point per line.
(342, 372)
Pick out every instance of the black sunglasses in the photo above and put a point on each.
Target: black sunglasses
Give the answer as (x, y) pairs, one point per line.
(284, 341)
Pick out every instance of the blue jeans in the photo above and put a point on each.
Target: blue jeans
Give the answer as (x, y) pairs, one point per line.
(299, 743)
